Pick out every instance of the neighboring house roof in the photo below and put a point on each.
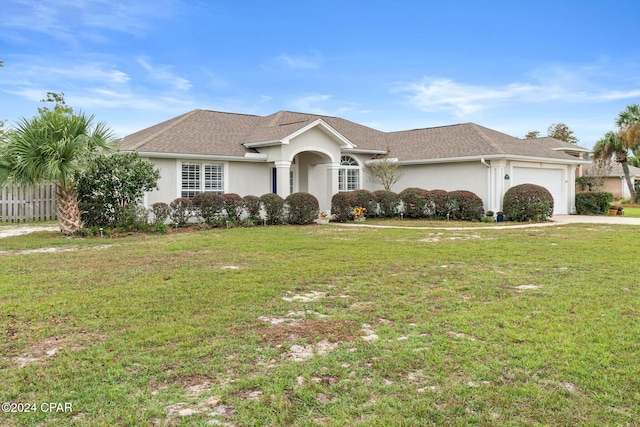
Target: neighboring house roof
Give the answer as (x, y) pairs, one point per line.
(203, 132)
(616, 170)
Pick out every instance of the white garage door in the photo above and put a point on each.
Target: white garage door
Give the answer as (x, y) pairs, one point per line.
(551, 179)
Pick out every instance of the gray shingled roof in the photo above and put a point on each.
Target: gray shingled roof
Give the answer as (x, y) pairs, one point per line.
(616, 170)
(204, 132)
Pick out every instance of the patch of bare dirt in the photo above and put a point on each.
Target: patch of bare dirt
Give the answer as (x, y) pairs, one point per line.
(251, 394)
(299, 353)
(460, 335)
(211, 406)
(437, 237)
(527, 287)
(369, 333)
(310, 330)
(50, 347)
(308, 297)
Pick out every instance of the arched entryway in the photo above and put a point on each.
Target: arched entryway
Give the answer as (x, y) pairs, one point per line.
(314, 172)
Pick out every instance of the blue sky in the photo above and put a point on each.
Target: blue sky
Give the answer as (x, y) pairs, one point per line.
(513, 66)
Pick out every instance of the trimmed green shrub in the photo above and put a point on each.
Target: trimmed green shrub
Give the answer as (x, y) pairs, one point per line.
(301, 208)
(593, 203)
(180, 211)
(413, 201)
(131, 217)
(160, 211)
(208, 206)
(437, 204)
(466, 206)
(364, 199)
(273, 207)
(94, 213)
(252, 205)
(342, 206)
(388, 204)
(527, 202)
(233, 206)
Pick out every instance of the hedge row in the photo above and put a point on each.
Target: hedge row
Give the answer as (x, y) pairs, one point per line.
(220, 210)
(593, 203)
(411, 202)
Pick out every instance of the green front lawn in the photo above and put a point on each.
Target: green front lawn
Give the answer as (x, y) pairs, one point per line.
(632, 211)
(324, 326)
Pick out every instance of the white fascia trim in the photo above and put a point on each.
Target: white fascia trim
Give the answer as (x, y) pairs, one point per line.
(578, 149)
(363, 151)
(249, 157)
(346, 144)
(262, 143)
(374, 161)
(495, 157)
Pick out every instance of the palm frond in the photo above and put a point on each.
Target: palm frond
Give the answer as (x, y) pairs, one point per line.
(52, 147)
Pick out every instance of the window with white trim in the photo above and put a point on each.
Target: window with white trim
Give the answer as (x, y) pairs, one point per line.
(348, 174)
(200, 177)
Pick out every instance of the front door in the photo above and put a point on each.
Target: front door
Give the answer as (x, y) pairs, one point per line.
(274, 180)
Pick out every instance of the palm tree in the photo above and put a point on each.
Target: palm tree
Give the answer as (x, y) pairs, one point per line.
(52, 147)
(613, 145)
(629, 123)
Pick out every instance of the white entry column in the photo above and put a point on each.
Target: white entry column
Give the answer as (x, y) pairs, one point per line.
(332, 185)
(283, 168)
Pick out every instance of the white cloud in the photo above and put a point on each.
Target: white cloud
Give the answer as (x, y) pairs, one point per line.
(553, 84)
(73, 20)
(433, 95)
(300, 62)
(162, 74)
(90, 72)
(309, 103)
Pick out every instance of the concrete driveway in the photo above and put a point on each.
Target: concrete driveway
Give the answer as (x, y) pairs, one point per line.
(19, 230)
(588, 219)
(555, 220)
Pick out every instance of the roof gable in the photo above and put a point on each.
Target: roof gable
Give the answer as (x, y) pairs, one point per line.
(298, 128)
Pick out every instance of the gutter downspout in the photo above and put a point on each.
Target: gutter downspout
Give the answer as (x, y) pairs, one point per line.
(489, 195)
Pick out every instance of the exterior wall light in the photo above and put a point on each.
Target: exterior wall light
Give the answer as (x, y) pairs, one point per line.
(506, 177)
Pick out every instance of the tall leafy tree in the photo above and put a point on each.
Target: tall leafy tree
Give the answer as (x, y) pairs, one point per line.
(532, 134)
(562, 132)
(52, 147)
(612, 145)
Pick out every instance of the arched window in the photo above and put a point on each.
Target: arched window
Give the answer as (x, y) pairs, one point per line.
(349, 174)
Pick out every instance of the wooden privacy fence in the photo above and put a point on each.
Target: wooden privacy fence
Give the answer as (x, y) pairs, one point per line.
(19, 204)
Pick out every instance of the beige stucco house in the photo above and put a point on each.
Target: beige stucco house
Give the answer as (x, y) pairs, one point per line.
(289, 152)
(614, 182)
